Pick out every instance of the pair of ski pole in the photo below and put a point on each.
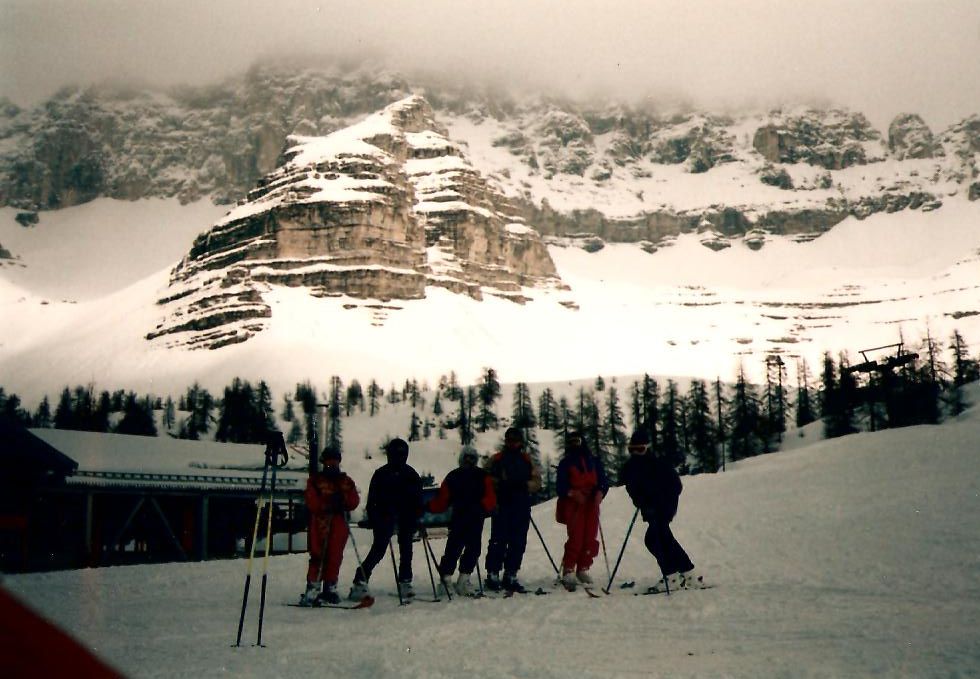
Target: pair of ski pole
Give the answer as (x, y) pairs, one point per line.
(275, 458)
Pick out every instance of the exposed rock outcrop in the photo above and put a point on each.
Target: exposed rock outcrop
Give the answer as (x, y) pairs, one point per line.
(379, 210)
(910, 137)
(832, 140)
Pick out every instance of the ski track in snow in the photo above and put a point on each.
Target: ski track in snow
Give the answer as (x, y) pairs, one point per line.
(853, 557)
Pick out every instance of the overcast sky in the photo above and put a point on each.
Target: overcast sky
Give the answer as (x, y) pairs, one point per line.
(881, 57)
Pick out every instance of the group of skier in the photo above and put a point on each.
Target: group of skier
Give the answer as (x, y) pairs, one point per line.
(503, 491)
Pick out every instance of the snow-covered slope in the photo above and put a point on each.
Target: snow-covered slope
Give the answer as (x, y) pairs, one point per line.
(682, 310)
(855, 557)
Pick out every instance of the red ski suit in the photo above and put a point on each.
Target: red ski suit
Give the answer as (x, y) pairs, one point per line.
(581, 485)
(328, 495)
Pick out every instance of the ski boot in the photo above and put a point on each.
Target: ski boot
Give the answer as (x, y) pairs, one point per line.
(463, 586)
(405, 590)
(693, 580)
(670, 583)
(493, 581)
(329, 594)
(584, 578)
(568, 580)
(512, 585)
(311, 597)
(358, 591)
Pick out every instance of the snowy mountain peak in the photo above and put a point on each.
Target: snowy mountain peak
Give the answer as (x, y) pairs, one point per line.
(378, 210)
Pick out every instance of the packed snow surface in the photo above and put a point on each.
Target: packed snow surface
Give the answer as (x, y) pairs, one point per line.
(854, 557)
(79, 301)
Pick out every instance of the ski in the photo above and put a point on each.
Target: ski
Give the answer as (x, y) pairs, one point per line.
(587, 590)
(408, 600)
(366, 602)
(651, 590)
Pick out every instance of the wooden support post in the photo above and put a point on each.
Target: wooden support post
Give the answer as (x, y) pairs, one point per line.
(202, 531)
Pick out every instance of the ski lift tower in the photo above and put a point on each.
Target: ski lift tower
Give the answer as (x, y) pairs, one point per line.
(883, 367)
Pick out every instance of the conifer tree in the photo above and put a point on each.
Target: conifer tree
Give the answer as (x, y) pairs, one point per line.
(837, 399)
(670, 429)
(614, 434)
(414, 430)
(523, 414)
(265, 412)
(636, 405)
(565, 423)
(805, 412)
(137, 417)
(437, 405)
(334, 409)
(355, 397)
(964, 370)
(488, 394)
(63, 414)
(42, 414)
(374, 394)
(547, 410)
(650, 398)
(774, 420)
(169, 414)
(464, 419)
(743, 419)
(700, 427)
(288, 411)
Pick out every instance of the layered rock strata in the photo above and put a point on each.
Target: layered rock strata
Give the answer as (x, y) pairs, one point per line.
(379, 210)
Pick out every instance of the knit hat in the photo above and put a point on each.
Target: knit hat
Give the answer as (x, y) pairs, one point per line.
(640, 437)
(514, 434)
(330, 452)
(397, 447)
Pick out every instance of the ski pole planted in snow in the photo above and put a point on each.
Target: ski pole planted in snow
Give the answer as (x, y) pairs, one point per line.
(543, 544)
(394, 567)
(428, 546)
(428, 563)
(275, 449)
(605, 555)
(620, 557)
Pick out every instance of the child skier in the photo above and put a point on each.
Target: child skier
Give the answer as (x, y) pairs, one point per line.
(655, 488)
(394, 504)
(515, 478)
(329, 493)
(581, 484)
(469, 491)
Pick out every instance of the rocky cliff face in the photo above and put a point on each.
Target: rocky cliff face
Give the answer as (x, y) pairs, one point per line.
(378, 210)
(569, 167)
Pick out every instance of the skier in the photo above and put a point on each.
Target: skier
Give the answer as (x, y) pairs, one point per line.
(582, 485)
(394, 504)
(515, 478)
(469, 491)
(654, 486)
(329, 493)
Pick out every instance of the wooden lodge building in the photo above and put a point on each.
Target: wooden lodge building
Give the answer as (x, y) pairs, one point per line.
(71, 499)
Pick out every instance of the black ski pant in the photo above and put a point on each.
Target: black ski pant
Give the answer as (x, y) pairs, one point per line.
(383, 533)
(463, 545)
(508, 537)
(669, 554)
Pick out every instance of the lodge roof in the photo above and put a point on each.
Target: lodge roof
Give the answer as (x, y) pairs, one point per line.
(126, 461)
